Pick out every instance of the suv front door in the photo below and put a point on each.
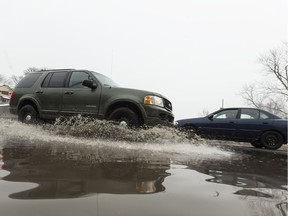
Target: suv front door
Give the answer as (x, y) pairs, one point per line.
(78, 98)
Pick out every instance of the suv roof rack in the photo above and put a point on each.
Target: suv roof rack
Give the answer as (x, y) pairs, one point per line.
(57, 69)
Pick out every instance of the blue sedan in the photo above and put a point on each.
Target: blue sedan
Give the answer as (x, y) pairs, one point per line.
(259, 127)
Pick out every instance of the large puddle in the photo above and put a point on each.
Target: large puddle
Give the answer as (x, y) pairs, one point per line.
(83, 167)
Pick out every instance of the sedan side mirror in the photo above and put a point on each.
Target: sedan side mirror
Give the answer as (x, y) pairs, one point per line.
(210, 116)
(89, 84)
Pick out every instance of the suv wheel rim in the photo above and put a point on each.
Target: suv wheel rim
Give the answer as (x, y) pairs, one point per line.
(28, 118)
(123, 124)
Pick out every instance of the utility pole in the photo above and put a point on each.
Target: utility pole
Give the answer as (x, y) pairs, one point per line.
(222, 107)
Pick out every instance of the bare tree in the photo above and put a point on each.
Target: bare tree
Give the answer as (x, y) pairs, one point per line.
(32, 69)
(14, 79)
(204, 113)
(275, 65)
(2, 78)
(271, 94)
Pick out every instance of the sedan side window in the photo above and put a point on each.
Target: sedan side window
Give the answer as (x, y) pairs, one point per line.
(264, 116)
(249, 114)
(77, 78)
(226, 114)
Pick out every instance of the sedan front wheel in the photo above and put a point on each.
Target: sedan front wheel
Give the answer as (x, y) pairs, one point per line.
(256, 144)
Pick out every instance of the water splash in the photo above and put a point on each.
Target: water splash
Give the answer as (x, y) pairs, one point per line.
(79, 126)
(105, 141)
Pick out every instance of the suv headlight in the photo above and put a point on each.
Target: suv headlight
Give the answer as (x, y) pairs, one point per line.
(153, 100)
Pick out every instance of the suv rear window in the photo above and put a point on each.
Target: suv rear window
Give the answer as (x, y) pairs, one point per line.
(55, 80)
(29, 80)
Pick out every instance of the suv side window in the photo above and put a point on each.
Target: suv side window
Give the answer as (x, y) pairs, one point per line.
(29, 80)
(55, 80)
(77, 78)
(46, 81)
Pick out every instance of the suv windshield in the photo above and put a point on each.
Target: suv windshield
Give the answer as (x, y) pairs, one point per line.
(106, 81)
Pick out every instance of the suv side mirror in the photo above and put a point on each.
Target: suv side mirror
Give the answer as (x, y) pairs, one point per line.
(89, 84)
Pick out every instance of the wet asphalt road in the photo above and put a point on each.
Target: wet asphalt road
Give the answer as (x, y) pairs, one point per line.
(46, 173)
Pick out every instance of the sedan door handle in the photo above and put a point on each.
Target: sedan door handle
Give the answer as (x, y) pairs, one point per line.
(39, 92)
(68, 92)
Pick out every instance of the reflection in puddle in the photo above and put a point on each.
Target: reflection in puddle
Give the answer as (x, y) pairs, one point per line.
(65, 177)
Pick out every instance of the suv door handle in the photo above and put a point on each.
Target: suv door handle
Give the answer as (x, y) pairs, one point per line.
(68, 92)
(39, 92)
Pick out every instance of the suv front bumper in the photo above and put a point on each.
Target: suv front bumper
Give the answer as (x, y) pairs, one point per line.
(13, 110)
(158, 116)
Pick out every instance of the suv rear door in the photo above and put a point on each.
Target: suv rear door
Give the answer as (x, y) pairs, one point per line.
(78, 98)
(49, 94)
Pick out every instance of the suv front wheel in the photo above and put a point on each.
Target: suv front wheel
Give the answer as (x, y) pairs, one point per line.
(28, 114)
(125, 117)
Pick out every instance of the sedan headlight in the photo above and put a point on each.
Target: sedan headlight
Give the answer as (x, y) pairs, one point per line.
(153, 100)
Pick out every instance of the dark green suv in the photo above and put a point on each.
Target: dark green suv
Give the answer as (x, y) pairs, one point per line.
(49, 94)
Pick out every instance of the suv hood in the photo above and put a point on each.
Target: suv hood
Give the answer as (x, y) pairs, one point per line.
(136, 91)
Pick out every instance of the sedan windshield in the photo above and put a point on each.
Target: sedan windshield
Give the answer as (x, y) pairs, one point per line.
(105, 81)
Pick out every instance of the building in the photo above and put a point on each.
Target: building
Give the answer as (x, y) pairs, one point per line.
(5, 92)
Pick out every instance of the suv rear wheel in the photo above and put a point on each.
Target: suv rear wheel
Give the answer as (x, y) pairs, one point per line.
(28, 114)
(125, 117)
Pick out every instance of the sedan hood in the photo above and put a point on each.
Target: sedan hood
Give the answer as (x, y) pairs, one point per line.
(182, 122)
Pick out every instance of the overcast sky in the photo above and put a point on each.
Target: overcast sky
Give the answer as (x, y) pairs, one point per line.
(195, 52)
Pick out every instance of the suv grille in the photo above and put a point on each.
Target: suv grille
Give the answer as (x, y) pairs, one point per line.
(167, 104)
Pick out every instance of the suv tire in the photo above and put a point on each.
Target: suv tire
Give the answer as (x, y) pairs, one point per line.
(125, 117)
(28, 114)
